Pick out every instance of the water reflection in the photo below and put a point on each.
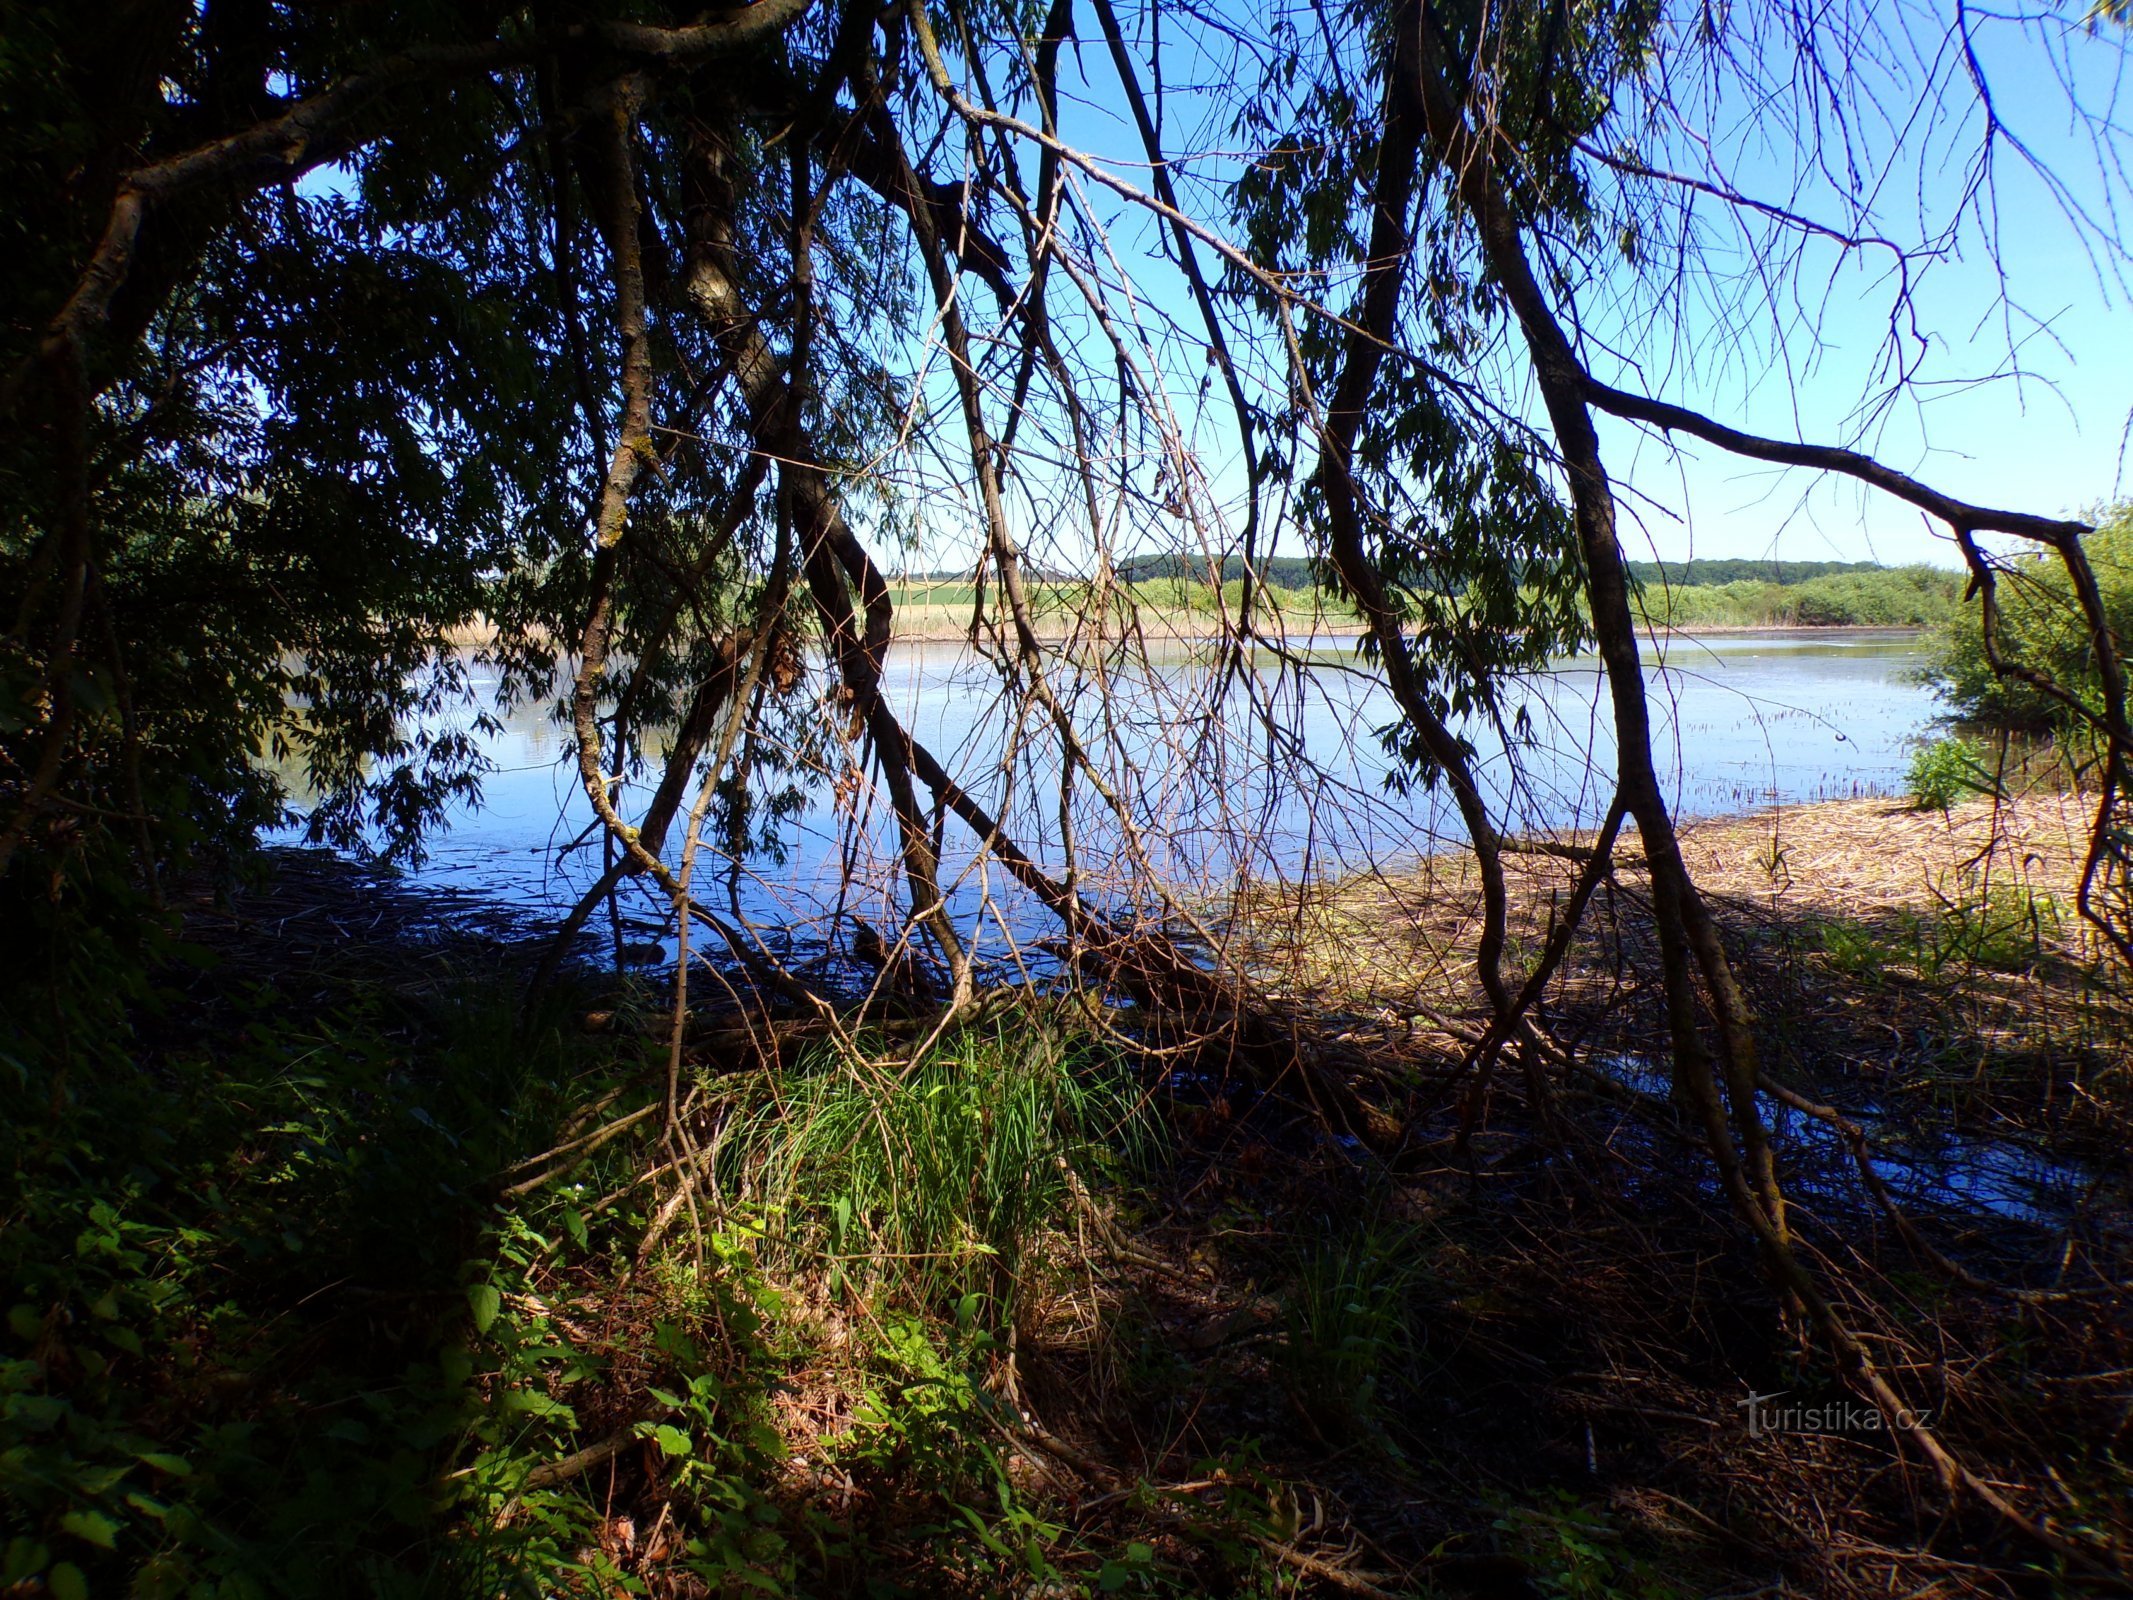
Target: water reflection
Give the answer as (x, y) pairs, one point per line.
(1281, 775)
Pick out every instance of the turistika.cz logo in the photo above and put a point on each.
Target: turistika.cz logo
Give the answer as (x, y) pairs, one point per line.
(1843, 1415)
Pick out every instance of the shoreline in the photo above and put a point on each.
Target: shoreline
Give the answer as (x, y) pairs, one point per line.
(482, 635)
(946, 632)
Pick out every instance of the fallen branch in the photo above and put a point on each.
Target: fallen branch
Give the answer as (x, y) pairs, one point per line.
(576, 1150)
(550, 1473)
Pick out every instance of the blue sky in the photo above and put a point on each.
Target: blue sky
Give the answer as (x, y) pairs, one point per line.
(2027, 378)
(2024, 369)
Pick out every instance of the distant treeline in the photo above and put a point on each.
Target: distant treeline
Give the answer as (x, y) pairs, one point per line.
(1703, 574)
(916, 597)
(1283, 572)
(1730, 593)
(1839, 595)
(1299, 572)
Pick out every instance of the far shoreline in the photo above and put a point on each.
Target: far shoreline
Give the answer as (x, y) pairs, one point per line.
(481, 634)
(1056, 630)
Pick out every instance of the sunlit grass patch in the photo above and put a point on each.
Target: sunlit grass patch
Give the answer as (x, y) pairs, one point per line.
(939, 1176)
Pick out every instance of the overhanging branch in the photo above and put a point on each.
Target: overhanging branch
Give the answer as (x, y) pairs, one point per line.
(1959, 514)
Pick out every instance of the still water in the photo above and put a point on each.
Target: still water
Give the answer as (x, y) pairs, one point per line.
(1279, 773)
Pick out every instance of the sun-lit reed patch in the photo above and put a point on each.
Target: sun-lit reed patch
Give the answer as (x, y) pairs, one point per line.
(938, 1176)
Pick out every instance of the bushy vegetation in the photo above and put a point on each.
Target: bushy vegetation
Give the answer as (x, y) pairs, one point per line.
(2041, 627)
(1875, 597)
(1946, 770)
(239, 1274)
(1708, 572)
(1695, 594)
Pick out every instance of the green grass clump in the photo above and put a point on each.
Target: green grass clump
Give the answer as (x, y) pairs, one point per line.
(1946, 770)
(2001, 928)
(1855, 950)
(2008, 928)
(940, 1175)
(1348, 1324)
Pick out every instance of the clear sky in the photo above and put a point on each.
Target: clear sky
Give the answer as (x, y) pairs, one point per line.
(2023, 382)
(2027, 368)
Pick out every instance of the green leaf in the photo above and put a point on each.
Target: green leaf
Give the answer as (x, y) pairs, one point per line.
(23, 1558)
(672, 1441)
(35, 1411)
(66, 1582)
(176, 1466)
(485, 1302)
(534, 1403)
(93, 1526)
(100, 1480)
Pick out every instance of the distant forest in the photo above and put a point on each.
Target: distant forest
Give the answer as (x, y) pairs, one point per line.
(1730, 593)
(1297, 572)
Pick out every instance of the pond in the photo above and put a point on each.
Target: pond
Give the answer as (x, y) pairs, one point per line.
(1276, 772)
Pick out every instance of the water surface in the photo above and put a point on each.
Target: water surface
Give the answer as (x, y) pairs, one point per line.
(1279, 776)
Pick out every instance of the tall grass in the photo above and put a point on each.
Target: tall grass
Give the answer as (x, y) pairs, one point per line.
(1349, 1321)
(940, 1176)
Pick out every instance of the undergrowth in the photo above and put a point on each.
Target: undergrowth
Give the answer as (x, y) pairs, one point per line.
(272, 1331)
(1945, 770)
(401, 1293)
(2001, 928)
(234, 1271)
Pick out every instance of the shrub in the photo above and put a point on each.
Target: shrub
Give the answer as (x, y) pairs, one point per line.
(1884, 597)
(1946, 770)
(235, 1349)
(1900, 597)
(2041, 627)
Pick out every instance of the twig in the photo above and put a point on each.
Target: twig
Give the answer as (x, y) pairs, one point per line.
(550, 1473)
(577, 1150)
